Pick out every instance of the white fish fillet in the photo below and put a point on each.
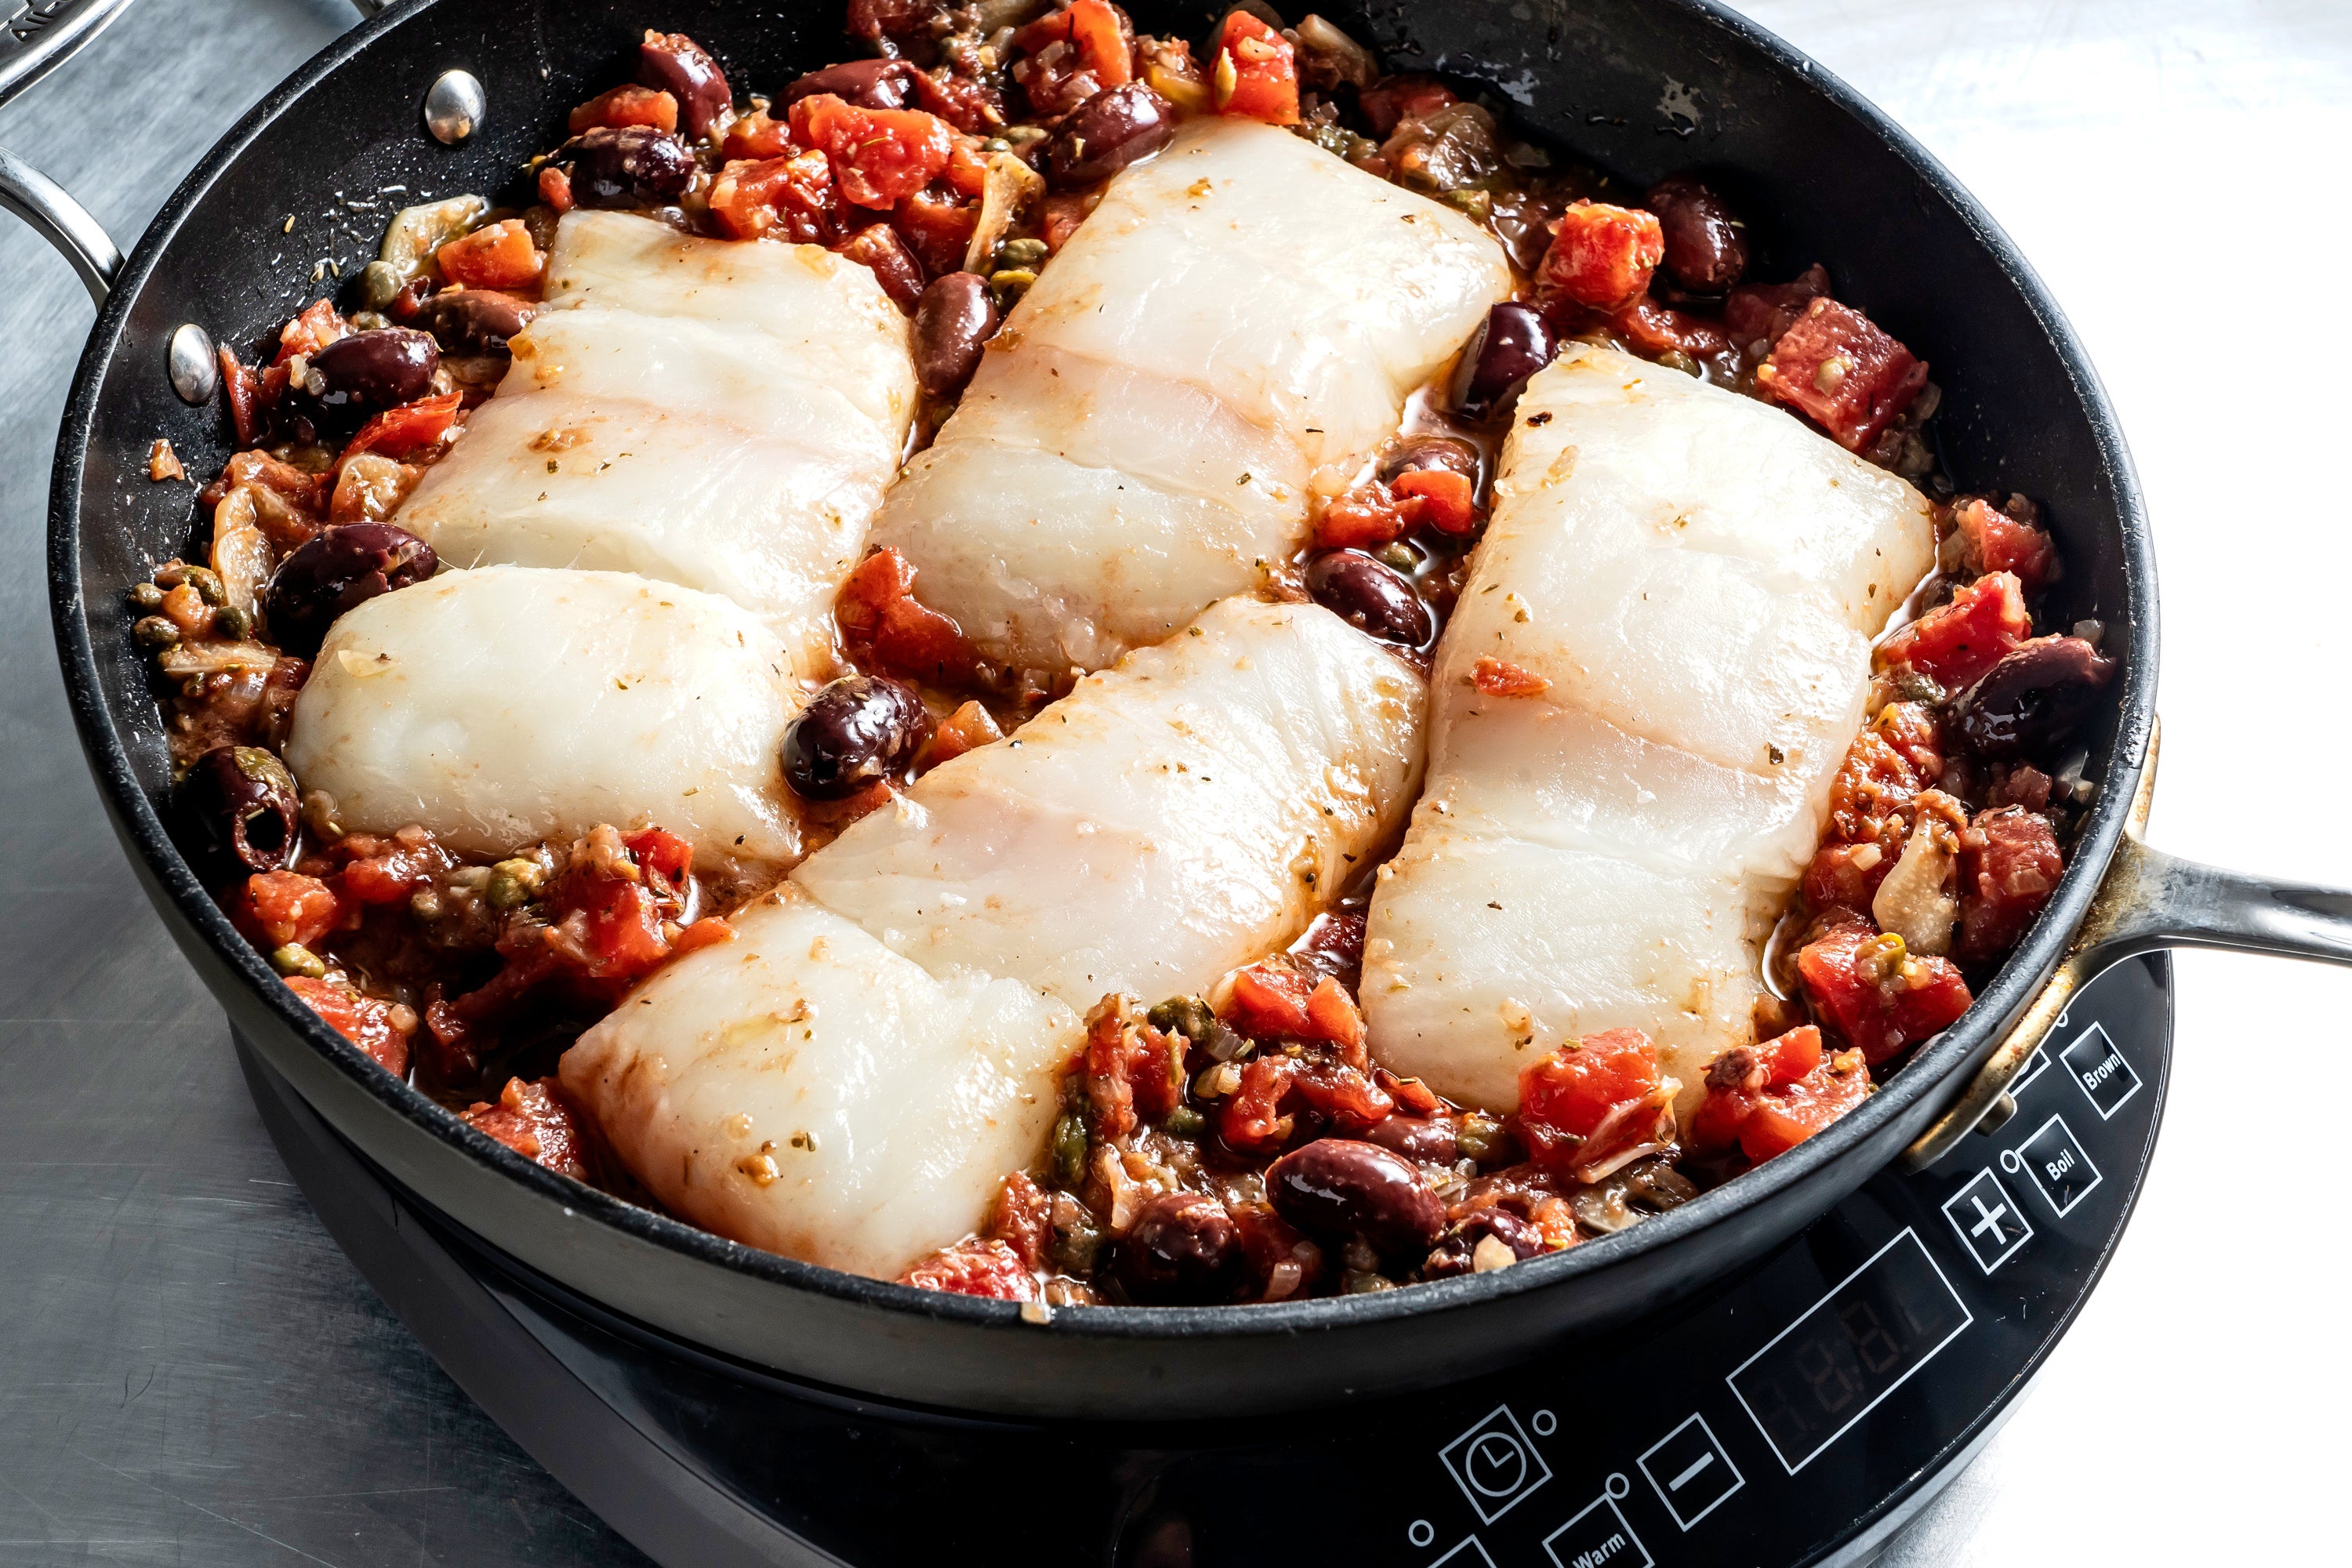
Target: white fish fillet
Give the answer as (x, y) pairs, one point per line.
(1698, 576)
(805, 1089)
(1235, 326)
(716, 414)
(508, 704)
(1181, 814)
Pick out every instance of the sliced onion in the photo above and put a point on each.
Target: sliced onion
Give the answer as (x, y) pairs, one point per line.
(417, 232)
(1011, 186)
(1917, 901)
(242, 558)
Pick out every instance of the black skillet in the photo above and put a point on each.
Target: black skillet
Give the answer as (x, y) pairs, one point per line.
(1639, 86)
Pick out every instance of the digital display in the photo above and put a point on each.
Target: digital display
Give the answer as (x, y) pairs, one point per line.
(1849, 1350)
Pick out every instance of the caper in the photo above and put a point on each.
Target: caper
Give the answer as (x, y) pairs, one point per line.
(1070, 1149)
(378, 282)
(1479, 1137)
(295, 959)
(1186, 1016)
(1021, 253)
(1479, 205)
(426, 905)
(1008, 285)
(369, 321)
(1356, 1282)
(1186, 1123)
(206, 583)
(513, 883)
(147, 596)
(232, 623)
(155, 632)
(1022, 135)
(1396, 552)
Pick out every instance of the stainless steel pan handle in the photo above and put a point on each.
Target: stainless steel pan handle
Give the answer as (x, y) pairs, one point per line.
(2147, 900)
(40, 37)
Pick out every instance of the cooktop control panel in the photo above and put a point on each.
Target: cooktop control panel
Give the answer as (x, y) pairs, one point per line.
(1793, 1415)
(1785, 1418)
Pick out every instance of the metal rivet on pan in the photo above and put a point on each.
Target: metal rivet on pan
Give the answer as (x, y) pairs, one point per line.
(195, 367)
(455, 107)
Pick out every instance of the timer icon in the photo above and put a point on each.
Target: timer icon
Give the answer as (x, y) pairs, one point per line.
(1495, 1464)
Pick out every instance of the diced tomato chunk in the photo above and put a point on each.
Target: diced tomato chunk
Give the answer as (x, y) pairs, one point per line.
(1847, 875)
(1593, 1105)
(881, 619)
(1268, 1001)
(879, 156)
(1911, 728)
(1023, 1220)
(391, 872)
(1392, 100)
(409, 428)
(320, 324)
(1654, 329)
(756, 136)
(496, 256)
(938, 228)
(1602, 256)
(1871, 796)
(708, 931)
(285, 908)
(968, 729)
(366, 1022)
(1332, 1015)
(793, 190)
(1758, 313)
(1364, 519)
(241, 391)
(1103, 38)
(1955, 644)
(660, 851)
(1252, 1118)
(1996, 541)
(1747, 1078)
(1878, 996)
(1254, 72)
(1438, 499)
(2009, 865)
(1060, 214)
(1785, 1117)
(976, 1267)
(539, 1121)
(630, 105)
(1839, 369)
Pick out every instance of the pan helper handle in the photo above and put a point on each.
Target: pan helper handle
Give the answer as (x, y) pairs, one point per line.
(38, 38)
(2149, 900)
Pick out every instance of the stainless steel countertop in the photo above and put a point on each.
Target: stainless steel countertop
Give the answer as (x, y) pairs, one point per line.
(191, 1372)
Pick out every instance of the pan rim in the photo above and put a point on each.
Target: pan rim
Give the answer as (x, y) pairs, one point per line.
(181, 895)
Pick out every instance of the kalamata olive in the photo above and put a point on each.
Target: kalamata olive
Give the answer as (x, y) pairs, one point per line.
(673, 63)
(2034, 698)
(1115, 127)
(1415, 452)
(954, 317)
(244, 797)
(1707, 250)
(1456, 1251)
(362, 373)
(1340, 1189)
(336, 571)
(626, 166)
(1510, 346)
(1183, 1250)
(869, 84)
(1429, 1141)
(1376, 600)
(860, 729)
(474, 321)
